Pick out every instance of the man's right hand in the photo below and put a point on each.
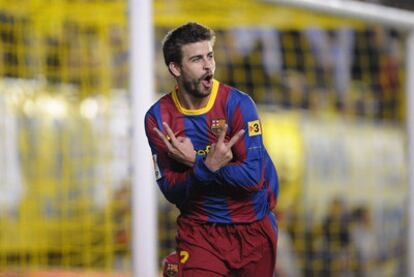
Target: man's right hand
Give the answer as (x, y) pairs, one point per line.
(220, 153)
(180, 149)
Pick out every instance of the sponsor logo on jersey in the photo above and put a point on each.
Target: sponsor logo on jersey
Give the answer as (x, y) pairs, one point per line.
(254, 128)
(157, 170)
(203, 151)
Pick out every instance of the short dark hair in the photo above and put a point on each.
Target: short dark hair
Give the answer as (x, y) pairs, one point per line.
(188, 33)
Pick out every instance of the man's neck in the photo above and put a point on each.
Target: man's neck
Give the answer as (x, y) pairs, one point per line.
(190, 102)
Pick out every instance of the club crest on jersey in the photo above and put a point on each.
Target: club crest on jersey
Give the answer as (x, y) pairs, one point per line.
(171, 269)
(254, 128)
(217, 125)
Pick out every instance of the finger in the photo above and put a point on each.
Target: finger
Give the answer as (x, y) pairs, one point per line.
(162, 137)
(212, 147)
(222, 134)
(235, 138)
(170, 133)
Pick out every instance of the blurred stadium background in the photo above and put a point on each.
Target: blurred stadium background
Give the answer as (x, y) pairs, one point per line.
(331, 92)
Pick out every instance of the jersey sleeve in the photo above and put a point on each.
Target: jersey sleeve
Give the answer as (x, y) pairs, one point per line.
(175, 180)
(246, 170)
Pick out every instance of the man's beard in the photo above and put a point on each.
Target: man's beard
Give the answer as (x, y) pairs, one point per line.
(195, 89)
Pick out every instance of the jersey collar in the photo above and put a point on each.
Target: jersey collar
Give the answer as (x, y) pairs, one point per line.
(211, 100)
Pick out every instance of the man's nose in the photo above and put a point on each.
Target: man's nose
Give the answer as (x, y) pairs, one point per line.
(207, 63)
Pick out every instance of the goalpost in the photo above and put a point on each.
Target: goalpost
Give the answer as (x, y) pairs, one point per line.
(392, 17)
(144, 206)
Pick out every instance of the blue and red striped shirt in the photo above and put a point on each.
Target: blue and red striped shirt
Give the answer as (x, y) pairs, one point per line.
(244, 190)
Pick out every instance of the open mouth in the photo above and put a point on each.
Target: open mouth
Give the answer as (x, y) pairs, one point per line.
(207, 80)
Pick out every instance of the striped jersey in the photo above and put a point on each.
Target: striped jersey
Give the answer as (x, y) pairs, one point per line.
(244, 190)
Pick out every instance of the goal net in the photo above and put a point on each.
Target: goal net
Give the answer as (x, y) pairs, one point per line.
(331, 93)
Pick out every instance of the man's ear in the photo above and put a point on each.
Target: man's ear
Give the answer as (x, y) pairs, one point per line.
(174, 69)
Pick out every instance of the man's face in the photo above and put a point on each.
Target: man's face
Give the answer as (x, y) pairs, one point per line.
(197, 68)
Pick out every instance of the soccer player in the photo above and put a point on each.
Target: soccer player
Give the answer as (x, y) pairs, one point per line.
(210, 161)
